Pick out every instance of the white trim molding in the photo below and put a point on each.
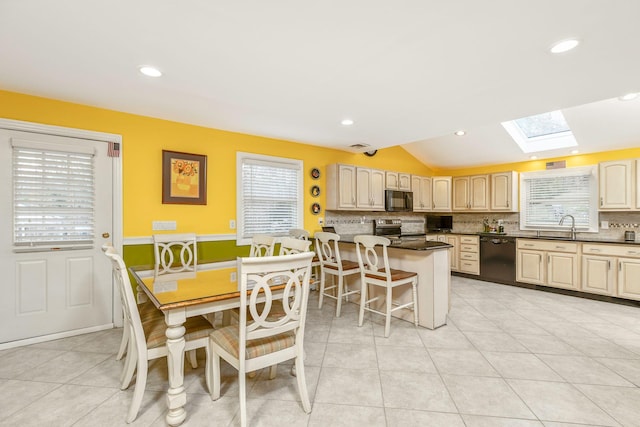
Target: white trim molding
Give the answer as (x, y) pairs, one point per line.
(148, 240)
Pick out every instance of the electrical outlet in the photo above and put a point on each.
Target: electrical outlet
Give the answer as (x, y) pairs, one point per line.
(163, 225)
(320, 220)
(232, 224)
(233, 276)
(604, 225)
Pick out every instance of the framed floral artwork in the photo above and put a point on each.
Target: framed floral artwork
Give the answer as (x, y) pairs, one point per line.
(184, 178)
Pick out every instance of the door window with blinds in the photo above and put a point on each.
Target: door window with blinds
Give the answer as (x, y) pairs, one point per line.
(53, 196)
(546, 196)
(269, 191)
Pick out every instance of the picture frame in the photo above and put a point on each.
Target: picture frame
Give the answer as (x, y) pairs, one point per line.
(184, 178)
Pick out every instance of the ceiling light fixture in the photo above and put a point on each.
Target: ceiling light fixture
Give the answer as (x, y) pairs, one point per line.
(460, 133)
(347, 122)
(574, 151)
(628, 97)
(150, 71)
(564, 46)
(533, 157)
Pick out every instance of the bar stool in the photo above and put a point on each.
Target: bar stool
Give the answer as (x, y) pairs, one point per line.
(372, 273)
(331, 263)
(298, 233)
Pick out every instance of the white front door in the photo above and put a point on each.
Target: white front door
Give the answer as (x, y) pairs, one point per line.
(61, 285)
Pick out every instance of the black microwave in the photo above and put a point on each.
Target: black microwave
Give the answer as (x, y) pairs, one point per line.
(398, 201)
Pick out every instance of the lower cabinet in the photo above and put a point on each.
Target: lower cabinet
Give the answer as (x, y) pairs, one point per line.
(454, 241)
(547, 262)
(611, 270)
(469, 255)
(464, 256)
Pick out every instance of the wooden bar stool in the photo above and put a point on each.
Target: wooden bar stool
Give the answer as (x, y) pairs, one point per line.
(331, 263)
(377, 273)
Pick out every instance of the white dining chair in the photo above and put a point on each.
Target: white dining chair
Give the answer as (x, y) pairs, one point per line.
(375, 271)
(289, 245)
(175, 253)
(261, 339)
(331, 264)
(299, 233)
(147, 340)
(262, 245)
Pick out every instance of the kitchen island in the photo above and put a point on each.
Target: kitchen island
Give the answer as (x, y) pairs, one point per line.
(427, 258)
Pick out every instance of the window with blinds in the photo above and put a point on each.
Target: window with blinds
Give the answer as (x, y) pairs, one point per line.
(269, 196)
(53, 196)
(547, 196)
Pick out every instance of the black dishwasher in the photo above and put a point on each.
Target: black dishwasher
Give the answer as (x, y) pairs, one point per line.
(498, 259)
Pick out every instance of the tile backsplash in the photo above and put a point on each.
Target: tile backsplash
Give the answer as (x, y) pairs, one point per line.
(362, 223)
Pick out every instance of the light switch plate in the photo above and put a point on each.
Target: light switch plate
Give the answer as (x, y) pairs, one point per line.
(163, 225)
(604, 225)
(232, 224)
(320, 220)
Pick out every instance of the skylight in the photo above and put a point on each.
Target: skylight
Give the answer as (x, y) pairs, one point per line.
(542, 132)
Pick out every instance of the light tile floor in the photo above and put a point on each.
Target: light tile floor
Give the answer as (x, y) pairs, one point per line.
(507, 357)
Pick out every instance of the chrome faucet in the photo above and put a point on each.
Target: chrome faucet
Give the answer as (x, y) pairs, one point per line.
(573, 225)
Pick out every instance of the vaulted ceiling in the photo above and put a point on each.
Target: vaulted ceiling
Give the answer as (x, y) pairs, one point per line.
(407, 72)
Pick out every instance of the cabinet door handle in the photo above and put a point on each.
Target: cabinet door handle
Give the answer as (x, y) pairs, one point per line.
(529, 245)
(632, 252)
(508, 203)
(619, 266)
(608, 264)
(548, 259)
(560, 247)
(601, 201)
(594, 250)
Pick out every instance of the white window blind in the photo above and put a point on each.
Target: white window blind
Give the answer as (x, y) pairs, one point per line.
(53, 196)
(547, 196)
(269, 196)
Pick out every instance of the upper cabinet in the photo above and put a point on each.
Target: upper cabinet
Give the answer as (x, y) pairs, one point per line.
(341, 187)
(370, 189)
(421, 187)
(398, 181)
(441, 195)
(495, 192)
(617, 185)
(504, 191)
(471, 193)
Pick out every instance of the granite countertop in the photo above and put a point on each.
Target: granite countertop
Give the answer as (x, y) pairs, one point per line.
(414, 243)
(579, 239)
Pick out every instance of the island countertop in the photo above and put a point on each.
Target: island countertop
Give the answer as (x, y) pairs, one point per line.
(411, 243)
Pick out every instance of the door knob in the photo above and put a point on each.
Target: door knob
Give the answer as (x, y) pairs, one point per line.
(105, 235)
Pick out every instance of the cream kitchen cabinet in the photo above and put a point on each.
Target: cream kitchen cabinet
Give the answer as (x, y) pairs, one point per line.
(611, 270)
(504, 191)
(548, 262)
(454, 258)
(369, 189)
(441, 193)
(421, 187)
(469, 254)
(398, 181)
(341, 187)
(617, 186)
(471, 193)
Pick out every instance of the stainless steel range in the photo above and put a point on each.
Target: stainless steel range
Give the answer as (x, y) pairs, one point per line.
(392, 229)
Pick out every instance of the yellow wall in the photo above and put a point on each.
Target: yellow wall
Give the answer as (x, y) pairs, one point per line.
(144, 138)
(535, 165)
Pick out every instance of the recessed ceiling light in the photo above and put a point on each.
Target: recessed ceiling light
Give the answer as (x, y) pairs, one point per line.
(533, 157)
(564, 46)
(347, 122)
(574, 151)
(628, 97)
(460, 133)
(150, 71)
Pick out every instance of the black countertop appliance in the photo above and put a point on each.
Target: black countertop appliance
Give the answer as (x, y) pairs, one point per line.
(498, 259)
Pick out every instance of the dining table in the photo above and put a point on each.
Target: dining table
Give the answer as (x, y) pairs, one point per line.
(212, 288)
